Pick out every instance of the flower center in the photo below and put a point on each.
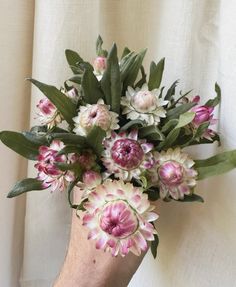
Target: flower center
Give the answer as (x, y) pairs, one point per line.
(144, 101)
(127, 153)
(118, 219)
(96, 115)
(171, 173)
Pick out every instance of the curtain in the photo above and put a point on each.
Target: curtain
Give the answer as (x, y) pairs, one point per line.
(198, 39)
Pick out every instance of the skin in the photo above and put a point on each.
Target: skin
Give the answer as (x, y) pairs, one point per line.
(85, 266)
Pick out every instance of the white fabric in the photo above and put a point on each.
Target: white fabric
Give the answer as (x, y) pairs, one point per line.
(198, 39)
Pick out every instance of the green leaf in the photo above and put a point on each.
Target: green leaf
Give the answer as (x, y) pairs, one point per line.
(176, 112)
(76, 79)
(91, 88)
(156, 72)
(126, 51)
(36, 138)
(25, 185)
(20, 144)
(154, 245)
(191, 198)
(95, 139)
(130, 124)
(153, 193)
(169, 125)
(142, 81)
(69, 149)
(99, 50)
(217, 99)
(133, 69)
(126, 64)
(68, 138)
(111, 82)
(69, 191)
(170, 139)
(216, 165)
(185, 119)
(73, 59)
(171, 91)
(64, 105)
(151, 133)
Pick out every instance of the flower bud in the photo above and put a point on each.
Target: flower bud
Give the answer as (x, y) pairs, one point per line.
(202, 114)
(91, 179)
(99, 65)
(144, 101)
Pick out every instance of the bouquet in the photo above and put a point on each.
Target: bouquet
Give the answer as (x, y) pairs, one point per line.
(119, 136)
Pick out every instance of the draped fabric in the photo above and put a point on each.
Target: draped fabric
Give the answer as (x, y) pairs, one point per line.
(198, 39)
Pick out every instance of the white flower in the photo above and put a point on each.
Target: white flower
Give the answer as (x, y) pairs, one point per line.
(119, 217)
(95, 115)
(144, 105)
(173, 173)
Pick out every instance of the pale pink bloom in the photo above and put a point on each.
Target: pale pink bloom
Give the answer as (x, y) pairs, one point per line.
(91, 179)
(48, 113)
(173, 173)
(144, 105)
(126, 156)
(48, 172)
(99, 65)
(95, 115)
(119, 217)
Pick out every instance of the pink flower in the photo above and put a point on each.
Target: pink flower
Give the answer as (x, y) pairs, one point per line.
(125, 156)
(173, 173)
(95, 115)
(48, 113)
(48, 172)
(118, 216)
(99, 65)
(203, 114)
(91, 179)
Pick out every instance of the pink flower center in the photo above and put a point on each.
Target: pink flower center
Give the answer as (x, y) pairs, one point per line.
(127, 153)
(171, 173)
(118, 219)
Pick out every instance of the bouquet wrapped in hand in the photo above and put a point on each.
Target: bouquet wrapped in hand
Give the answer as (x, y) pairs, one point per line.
(114, 132)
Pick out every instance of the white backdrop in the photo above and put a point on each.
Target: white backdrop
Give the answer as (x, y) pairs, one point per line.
(198, 39)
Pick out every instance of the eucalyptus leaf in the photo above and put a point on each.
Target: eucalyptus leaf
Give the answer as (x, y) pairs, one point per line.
(25, 185)
(91, 88)
(170, 139)
(151, 132)
(99, 50)
(156, 72)
(216, 165)
(68, 138)
(20, 144)
(64, 105)
(69, 149)
(191, 198)
(185, 119)
(95, 139)
(131, 124)
(73, 59)
(217, 99)
(134, 69)
(171, 91)
(177, 111)
(169, 125)
(111, 81)
(154, 245)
